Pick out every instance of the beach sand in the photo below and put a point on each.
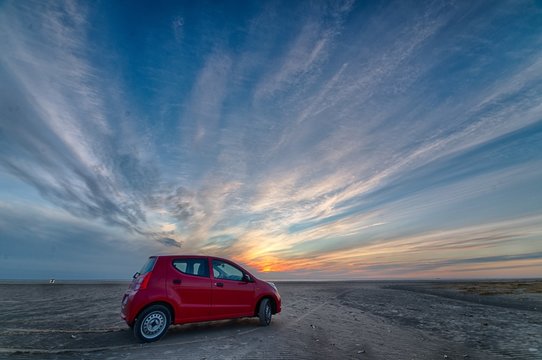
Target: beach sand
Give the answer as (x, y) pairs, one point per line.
(320, 320)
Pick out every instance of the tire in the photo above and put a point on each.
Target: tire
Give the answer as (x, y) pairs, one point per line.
(152, 323)
(265, 312)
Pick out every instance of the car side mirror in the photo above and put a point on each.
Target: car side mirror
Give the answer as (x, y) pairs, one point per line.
(247, 278)
(136, 275)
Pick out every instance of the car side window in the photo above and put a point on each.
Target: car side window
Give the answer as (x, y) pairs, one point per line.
(223, 270)
(196, 267)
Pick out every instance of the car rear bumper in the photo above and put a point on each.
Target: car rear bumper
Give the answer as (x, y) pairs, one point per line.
(127, 312)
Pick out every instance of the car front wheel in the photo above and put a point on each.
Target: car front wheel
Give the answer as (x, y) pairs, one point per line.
(152, 323)
(265, 312)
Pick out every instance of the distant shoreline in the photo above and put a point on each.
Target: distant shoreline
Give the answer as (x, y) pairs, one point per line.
(127, 281)
(63, 282)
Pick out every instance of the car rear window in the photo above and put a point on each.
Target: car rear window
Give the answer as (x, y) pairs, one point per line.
(148, 266)
(196, 267)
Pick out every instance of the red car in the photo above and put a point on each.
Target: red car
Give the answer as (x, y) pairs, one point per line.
(182, 289)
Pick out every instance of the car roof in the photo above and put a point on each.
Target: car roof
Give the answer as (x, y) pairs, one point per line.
(184, 256)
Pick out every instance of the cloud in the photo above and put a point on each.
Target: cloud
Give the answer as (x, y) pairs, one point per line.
(63, 246)
(307, 51)
(66, 149)
(207, 98)
(39, 156)
(181, 204)
(436, 250)
(169, 242)
(177, 25)
(394, 269)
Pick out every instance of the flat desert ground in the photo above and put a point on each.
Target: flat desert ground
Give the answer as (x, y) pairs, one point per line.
(320, 320)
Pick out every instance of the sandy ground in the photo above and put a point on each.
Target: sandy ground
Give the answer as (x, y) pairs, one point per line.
(335, 320)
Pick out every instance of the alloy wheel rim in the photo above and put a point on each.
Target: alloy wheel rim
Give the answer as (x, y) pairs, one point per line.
(153, 325)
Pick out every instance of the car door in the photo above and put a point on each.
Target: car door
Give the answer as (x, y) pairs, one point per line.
(190, 285)
(232, 295)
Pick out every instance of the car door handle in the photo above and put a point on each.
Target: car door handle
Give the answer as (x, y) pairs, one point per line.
(219, 284)
(177, 281)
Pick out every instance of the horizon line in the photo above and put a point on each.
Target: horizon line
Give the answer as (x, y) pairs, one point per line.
(89, 281)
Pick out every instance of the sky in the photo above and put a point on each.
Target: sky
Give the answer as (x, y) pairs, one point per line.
(305, 140)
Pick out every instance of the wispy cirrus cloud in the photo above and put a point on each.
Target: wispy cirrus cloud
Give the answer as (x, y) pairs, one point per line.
(443, 251)
(307, 51)
(58, 134)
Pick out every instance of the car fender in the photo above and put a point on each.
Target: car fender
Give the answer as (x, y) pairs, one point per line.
(266, 295)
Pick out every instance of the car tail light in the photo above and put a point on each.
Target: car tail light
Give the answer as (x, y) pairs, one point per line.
(143, 281)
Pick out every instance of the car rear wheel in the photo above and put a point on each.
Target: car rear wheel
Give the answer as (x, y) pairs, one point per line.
(265, 312)
(152, 323)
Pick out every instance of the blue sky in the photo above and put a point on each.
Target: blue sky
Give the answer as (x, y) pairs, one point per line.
(306, 140)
